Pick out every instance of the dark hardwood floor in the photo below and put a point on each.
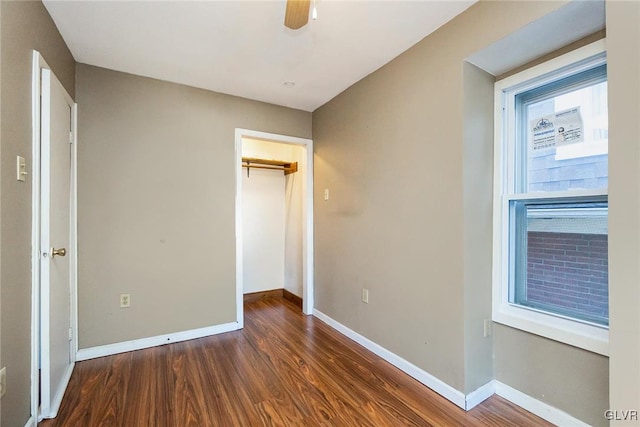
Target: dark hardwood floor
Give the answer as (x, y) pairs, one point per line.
(282, 369)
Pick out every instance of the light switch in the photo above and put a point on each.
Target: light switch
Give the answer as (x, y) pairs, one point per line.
(21, 168)
(326, 194)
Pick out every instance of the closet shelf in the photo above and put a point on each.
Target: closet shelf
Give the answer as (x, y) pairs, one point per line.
(255, 163)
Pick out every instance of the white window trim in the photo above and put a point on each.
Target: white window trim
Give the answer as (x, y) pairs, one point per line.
(584, 335)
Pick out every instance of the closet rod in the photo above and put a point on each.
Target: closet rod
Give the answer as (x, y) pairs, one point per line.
(273, 168)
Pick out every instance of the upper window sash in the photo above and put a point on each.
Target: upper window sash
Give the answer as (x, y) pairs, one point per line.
(508, 170)
(571, 84)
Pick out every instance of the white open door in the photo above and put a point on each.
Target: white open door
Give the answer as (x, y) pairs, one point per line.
(56, 350)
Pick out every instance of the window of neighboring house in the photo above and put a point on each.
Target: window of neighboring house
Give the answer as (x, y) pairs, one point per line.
(550, 200)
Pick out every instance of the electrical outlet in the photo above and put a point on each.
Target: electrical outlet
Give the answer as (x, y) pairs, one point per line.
(487, 327)
(3, 382)
(365, 295)
(125, 300)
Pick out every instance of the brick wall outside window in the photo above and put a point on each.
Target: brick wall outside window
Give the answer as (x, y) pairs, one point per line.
(569, 270)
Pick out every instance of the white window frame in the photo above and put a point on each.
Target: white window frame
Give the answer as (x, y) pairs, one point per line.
(580, 334)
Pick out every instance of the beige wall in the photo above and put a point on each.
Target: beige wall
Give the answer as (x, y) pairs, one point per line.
(1, 365)
(477, 173)
(156, 202)
(406, 153)
(623, 53)
(25, 26)
(565, 377)
(390, 148)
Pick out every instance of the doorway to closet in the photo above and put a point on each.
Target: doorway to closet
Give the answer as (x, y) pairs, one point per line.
(274, 217)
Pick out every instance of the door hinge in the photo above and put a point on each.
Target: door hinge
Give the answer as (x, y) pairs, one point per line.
(70, 137)
(70, 334)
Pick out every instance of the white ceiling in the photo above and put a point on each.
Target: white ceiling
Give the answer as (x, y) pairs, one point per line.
(242, 47)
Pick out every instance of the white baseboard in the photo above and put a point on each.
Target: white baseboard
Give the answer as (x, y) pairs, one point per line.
(468, 402)
(31, 422)
(537, 407)
(479, 395)
(122, 347)
(439, 386)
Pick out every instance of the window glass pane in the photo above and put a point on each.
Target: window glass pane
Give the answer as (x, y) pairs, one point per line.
(567, 140)
(561, 263)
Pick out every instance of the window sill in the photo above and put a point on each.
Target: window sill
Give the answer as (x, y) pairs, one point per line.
(582, 335)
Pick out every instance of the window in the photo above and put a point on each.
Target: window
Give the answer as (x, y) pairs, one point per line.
(550, 200)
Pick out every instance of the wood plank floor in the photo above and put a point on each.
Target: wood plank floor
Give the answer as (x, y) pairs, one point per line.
(282, 369)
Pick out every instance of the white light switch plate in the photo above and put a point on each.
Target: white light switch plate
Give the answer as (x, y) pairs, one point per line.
(365, 296)
(21, 168)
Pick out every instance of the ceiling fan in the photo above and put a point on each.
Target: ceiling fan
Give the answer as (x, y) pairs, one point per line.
(297, 13)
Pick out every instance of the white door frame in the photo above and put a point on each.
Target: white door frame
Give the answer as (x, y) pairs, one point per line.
(38, 64)
(307, 225)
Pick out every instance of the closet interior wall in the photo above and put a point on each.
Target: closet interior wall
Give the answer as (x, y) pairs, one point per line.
(272, 216)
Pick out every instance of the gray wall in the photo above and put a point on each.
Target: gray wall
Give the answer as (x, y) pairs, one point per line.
(390, 148)
(477, 173)
(1, 365)
(156, 202)
(565, 377)
(623, 56)
(406, 174)
(25, 26)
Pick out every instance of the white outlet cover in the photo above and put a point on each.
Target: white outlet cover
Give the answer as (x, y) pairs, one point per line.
(125, 300)
(3, 381)
(21, 168)
(487, 327)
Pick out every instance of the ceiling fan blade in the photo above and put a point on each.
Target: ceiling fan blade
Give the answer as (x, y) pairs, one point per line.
(297, 13)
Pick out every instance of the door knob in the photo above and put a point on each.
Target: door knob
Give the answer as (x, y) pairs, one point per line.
(61, 252)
